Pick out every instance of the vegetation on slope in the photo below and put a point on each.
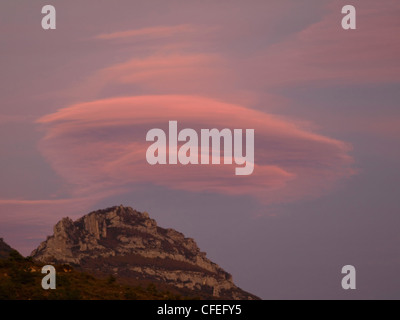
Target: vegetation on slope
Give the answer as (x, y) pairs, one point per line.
(20, 279)
(5, 249)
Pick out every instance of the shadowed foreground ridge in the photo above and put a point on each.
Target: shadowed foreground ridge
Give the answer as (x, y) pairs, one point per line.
(5, 249)
(127, 244)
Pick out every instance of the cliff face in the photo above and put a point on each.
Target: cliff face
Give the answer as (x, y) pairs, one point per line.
(128, 244)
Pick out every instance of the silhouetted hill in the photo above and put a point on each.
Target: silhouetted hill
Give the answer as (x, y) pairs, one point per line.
(5, 249)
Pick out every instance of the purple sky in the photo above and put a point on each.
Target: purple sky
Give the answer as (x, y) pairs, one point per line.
(76, 103)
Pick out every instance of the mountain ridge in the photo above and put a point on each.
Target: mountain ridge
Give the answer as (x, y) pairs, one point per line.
(5, 249)
(131, 246)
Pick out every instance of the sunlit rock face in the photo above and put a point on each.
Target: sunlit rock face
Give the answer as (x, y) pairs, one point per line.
(129, 244)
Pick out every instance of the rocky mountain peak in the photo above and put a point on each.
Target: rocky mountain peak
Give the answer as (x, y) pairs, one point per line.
(129, 244)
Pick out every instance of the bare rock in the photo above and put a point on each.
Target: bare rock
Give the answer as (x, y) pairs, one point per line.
(128, 243)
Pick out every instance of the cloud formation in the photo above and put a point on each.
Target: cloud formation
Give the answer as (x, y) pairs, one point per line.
(100, 145)
(188, 73)
(323, 53)
(166, 72)
(150, 32)
(136, 76)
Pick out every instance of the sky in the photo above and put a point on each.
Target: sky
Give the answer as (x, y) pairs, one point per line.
(77, 102)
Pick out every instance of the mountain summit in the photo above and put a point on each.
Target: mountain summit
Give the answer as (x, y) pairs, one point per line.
(129, 245)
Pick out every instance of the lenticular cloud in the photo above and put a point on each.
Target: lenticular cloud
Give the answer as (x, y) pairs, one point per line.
(101, 146)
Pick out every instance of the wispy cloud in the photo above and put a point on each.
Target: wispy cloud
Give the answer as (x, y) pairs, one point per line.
(101, 145)
(165, 72)
(150, 32)
(325, 54)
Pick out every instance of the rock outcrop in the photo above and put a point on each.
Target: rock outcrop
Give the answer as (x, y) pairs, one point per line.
(128, 244)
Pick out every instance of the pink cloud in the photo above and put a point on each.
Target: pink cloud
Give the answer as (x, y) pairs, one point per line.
(165, 72)
(324, 53)
(101, 145)
(41, 211)
(150, 32)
